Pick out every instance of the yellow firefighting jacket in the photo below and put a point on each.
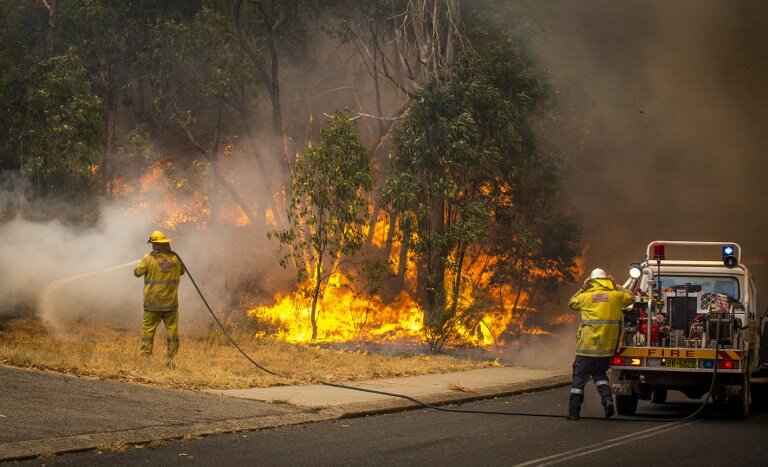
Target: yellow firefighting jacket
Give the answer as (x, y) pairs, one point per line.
(601, 317)
(162, 271)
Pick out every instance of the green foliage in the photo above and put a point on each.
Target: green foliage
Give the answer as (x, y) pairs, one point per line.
(467, 173)
(465, 154)
(328, 208)
(195, 59)
(55, 125)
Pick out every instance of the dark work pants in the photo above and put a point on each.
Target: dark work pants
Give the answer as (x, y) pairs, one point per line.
(583, 369)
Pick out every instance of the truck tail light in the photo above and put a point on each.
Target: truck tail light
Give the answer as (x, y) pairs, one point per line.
(617, 361)
(635, 361)
(725, 364)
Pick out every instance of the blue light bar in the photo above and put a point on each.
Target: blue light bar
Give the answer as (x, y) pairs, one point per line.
(728, 250)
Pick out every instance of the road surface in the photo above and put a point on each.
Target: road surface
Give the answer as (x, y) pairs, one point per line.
(428, 437)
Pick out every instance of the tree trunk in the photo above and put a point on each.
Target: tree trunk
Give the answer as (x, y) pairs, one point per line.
(52, 7)
(376, 52)
(267, 185)
(391, 237)
(402, 262)
(224, 182)
(106, 77)
(460, 253)
(315, 295)
(519, 292)
(269, 73)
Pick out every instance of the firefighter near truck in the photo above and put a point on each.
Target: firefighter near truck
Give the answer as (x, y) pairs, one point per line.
(694, 327)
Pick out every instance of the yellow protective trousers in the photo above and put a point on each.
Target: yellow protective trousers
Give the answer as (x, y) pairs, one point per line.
(149, 326)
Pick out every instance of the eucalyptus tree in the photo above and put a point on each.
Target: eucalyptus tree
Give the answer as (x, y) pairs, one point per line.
(265, 31)
(50, 120)
(461, 155)
(328, 206)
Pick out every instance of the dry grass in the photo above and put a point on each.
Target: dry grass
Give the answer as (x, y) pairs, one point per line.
(94, 349)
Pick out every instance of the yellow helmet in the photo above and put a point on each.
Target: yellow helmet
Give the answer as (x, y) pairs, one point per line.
(158, 237)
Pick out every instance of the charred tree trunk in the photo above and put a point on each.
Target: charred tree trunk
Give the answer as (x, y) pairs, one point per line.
(460, 254)
(432, 267)
(375, 26)
(402, 262)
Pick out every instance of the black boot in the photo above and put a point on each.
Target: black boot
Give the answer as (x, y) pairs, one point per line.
(608, 407)
(574, 406)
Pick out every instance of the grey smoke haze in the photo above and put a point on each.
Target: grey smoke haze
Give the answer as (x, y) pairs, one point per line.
(38, 254)
(35, 254)
(668, 100)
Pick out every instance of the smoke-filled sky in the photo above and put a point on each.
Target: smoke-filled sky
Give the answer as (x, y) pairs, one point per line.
(670, 100)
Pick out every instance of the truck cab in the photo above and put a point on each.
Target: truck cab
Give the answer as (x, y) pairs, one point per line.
(694, 327)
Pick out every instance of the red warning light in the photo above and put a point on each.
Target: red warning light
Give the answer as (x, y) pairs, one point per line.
(618, 360)
(658, 251)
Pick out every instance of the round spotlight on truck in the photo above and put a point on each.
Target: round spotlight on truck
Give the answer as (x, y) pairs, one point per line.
(730, 262)
(635, 272)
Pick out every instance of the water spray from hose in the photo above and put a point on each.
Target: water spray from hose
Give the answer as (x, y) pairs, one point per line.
(47, 303)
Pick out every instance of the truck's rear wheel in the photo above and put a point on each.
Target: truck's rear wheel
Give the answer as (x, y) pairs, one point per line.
(626, 404)
(738, 406)
(659, 396)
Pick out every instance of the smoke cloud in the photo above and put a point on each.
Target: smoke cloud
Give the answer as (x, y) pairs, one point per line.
(666, 100)
(63, 272)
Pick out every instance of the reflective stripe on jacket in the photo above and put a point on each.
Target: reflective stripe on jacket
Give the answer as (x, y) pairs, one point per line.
(601, 317)
(162, 271)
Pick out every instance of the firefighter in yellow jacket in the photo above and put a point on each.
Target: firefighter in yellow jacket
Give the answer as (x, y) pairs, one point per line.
(162, 270)
(601, 305)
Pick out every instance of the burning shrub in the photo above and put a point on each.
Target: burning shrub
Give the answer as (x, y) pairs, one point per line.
(327, 209)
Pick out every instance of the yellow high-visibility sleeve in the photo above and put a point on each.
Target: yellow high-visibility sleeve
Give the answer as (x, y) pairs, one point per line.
(601, 317)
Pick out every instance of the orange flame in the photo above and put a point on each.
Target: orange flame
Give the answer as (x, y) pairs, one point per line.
(344, 313)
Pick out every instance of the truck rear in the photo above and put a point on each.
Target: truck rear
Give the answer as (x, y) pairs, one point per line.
(694, 326)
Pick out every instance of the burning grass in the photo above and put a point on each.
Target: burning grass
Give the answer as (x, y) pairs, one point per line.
(96, 350)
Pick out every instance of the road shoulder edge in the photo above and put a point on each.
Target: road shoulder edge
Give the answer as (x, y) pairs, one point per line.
(30, 449)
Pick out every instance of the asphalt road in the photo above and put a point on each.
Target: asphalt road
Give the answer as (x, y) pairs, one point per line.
(427, 437)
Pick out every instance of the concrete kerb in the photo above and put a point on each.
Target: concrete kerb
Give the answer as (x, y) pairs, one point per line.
(29, 449)
(362, 409)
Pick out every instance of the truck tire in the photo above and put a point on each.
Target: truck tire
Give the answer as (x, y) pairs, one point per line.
(659, 396)
(738, 406)
(626, 404)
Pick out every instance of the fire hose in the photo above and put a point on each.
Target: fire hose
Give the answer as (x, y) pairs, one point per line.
(441, 408)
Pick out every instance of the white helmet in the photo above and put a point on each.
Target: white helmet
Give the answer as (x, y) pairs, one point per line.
(598, 274)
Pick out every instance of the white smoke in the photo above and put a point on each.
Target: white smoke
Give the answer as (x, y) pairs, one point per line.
(65, 272)
(36, 254)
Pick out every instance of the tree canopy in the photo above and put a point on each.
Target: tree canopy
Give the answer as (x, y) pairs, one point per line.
(395, 129)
